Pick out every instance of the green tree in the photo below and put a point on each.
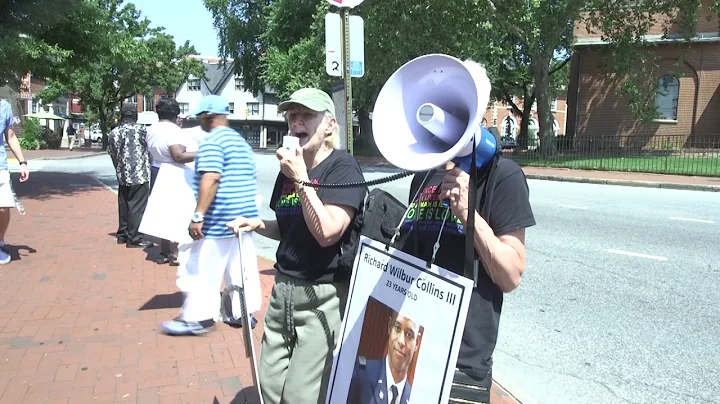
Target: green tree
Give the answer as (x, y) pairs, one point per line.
(289, 38)
(128, 58)
(41, 36)
(525, 44)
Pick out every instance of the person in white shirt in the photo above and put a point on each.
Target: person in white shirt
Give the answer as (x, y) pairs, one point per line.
(168, 144)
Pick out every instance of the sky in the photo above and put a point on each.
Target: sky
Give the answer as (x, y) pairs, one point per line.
(185, 20)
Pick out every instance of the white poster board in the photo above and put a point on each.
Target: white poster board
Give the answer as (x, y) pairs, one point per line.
(248, 258)
(171, 204)
(401, 316)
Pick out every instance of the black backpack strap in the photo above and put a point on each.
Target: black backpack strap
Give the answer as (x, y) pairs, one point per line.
(470, 265)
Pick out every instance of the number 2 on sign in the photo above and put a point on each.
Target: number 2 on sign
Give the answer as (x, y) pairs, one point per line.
(335, 66)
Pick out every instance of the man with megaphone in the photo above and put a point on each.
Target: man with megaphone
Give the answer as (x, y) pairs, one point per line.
(442, 100)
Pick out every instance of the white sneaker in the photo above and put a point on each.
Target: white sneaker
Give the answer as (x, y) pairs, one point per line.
(4, 257)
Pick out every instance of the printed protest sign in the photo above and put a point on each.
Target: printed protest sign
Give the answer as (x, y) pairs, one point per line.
(402, 330)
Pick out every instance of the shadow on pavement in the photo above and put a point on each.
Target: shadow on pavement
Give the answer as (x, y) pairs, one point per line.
(248, 395)
(14, 251)
(167, 301)
(45, 185)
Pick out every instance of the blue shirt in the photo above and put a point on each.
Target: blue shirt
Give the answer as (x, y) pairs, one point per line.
(226, 152)
(6, 121)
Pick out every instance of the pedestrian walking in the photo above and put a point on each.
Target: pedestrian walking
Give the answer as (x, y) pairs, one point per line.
(129, 154)
(225, 186)
(167, 144)
(7, 196)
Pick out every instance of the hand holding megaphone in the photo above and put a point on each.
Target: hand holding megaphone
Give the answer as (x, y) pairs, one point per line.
(454, 190)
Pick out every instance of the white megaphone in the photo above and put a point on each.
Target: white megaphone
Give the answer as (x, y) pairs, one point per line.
(428, 112)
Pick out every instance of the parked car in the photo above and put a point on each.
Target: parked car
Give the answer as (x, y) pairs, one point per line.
(95, 135)
(508, 142)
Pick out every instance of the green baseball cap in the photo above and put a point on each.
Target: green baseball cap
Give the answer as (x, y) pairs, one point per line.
(311, 98)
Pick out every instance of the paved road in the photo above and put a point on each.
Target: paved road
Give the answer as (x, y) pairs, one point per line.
(619, 302)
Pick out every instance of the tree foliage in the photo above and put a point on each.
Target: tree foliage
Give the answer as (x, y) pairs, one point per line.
(128, 58)
(40, 36)
(524, 44)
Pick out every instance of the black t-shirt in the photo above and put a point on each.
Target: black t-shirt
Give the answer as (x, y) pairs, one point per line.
(299, 255)
(509, 210)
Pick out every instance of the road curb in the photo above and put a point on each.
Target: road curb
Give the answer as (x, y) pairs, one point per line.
(512, 389)
(629, 183)
(81, 156)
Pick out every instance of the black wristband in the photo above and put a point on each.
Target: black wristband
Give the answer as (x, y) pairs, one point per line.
(23, 162)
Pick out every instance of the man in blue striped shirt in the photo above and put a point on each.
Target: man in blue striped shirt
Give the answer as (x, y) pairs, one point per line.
(225, 188)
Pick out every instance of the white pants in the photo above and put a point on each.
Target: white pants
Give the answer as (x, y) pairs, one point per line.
(203, 266)
(7, 198)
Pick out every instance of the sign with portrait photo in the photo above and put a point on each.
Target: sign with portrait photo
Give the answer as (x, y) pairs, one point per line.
(400, 338)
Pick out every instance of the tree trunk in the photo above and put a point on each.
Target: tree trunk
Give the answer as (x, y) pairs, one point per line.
(102, 117)
(541, 72)
(523, 138)
(366, 142)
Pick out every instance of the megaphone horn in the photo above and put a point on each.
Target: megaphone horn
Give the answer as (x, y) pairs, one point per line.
(428, 112)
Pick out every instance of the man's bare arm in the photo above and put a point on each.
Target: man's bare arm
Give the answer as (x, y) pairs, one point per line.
(180, 154)
(209, 183)
(269, 229)
(14, 144)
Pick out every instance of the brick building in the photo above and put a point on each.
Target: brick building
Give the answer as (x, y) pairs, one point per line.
(25, 102)
(500, 115)
(688, 103)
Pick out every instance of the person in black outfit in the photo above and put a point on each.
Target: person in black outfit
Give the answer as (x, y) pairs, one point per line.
(501, 217)
(128, 151)
(308, 297)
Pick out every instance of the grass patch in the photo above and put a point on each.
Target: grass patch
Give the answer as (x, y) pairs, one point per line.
(691, 165)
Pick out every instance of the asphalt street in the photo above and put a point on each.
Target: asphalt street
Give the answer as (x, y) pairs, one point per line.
(619, 300)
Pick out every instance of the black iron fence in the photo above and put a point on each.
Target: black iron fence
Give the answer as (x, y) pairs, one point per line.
(685, 155)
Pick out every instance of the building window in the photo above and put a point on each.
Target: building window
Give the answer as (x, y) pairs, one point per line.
(554, 105)
(253, 108)
(271, 99)
(132, 99)
(509, 126)
(238, 84)
(666, 97)
(149, 102)
(232, 108)
(556, 127)
(184, 108)
(193, 85)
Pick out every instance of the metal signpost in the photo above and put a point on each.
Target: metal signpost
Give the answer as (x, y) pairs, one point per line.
(345, 55)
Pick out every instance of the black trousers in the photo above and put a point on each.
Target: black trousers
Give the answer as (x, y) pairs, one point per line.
(132, 200)
(466, 389)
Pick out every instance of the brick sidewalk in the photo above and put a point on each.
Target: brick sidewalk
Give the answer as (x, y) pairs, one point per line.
(79, 313)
